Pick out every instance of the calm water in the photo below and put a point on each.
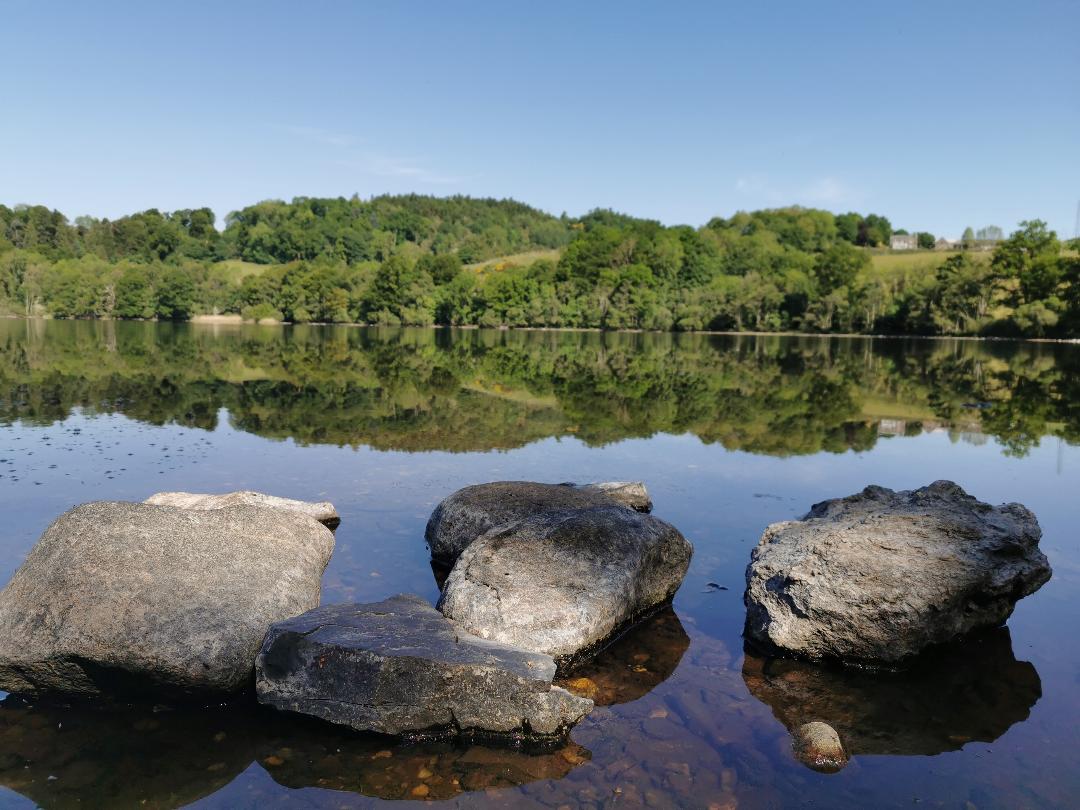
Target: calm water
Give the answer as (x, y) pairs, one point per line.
(730, 434)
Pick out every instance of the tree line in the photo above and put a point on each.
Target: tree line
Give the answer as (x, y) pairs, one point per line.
(415, 260)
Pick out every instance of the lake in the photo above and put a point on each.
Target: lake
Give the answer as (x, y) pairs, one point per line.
(730, 433)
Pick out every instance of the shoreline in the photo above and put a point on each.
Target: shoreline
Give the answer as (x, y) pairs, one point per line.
(238, 320)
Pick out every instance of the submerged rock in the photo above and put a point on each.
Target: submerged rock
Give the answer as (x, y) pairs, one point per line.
(130, 596)
(817, 746)
(399, 667)
(971, 690)
(876, 577)
(634, 664)
(474, 510)
(323, 511)
(561, 582)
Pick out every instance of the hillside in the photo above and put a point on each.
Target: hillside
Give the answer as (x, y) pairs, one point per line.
(419, 260)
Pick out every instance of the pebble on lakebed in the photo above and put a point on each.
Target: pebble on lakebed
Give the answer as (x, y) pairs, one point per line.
(817, 746)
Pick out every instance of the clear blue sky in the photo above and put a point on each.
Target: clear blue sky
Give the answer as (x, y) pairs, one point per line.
(937, 114)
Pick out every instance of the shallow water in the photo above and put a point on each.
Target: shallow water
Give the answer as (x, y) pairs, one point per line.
(730, 433)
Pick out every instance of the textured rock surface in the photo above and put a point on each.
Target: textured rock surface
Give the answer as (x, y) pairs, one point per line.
(323, 511)
(562, 581)
(399, 667)
(817, 746)
(128, 595)
(878, 576)
(972, 690)
(474, 510)
(628, 493)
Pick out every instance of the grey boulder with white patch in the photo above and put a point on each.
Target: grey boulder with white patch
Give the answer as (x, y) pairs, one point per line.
(563, 580)
(875, 577)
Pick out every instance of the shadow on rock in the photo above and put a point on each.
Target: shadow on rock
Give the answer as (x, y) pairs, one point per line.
(634, 664)
(972, 690)
(61, 756)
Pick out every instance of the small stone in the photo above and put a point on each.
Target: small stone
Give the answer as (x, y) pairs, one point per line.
(584, 687)
(274, 760)
(423, 773)
(382, 755)
(421, 791)
(818, 746)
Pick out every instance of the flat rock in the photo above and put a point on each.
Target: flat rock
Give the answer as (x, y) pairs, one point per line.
(322, 511)
(876, 577)
(474, 510)
(125, 596)
(400, 667)
(561, 582)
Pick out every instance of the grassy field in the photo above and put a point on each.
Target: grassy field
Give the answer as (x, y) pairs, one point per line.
(238, 270)
(519, 259)
(919, 259)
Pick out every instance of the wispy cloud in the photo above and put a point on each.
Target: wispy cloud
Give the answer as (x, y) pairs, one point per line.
(348, 154)
(322, 136)
(823, 191)
(410, 169)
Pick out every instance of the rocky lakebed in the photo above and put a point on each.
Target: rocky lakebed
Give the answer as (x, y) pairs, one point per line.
(192, 598)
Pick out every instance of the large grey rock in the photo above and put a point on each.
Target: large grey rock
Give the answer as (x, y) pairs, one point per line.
(399, 667)
(878, 576)
(129, 595)
(474, 510)
(322, 511)
(561, 582)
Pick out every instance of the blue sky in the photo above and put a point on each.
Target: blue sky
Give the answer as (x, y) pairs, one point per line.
(938, 115)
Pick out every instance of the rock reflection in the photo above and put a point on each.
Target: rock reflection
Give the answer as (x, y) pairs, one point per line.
(974, 690)
(155, 757)
(78, 757)
(634, 664)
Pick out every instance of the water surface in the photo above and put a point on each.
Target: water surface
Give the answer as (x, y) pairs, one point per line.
(730, 433)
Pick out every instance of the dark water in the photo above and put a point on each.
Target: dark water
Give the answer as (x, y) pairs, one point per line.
(730, 434)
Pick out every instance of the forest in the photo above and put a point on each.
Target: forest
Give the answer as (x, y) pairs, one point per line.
(419, 261)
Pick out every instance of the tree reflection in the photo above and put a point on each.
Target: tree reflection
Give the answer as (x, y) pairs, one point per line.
(481, 390)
